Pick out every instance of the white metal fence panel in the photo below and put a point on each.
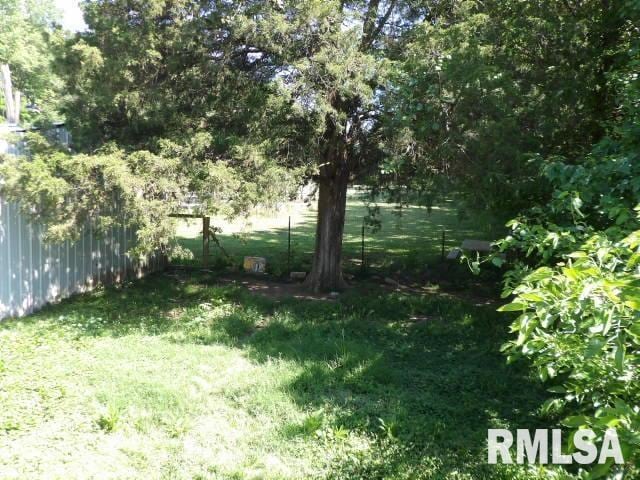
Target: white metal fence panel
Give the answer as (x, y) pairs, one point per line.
(12, 137)
(34, 273)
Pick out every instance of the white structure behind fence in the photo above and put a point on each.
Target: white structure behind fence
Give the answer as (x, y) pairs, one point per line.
(34, 273)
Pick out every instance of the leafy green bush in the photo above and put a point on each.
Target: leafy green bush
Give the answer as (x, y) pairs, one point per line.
(575, 277)
(580, 325)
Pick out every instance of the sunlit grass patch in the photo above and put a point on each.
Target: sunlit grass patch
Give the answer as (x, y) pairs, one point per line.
(408, 239)
(176, 377)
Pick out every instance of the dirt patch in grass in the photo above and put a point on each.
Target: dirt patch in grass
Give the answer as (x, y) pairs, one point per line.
(477, 293)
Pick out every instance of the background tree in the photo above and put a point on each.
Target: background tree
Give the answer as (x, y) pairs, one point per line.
(257, 86)
(28, 38)
(576, 284)
(145, 90)
(498, 85)
(534, 107)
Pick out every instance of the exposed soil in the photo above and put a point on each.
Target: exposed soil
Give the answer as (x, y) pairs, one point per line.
(476, 293)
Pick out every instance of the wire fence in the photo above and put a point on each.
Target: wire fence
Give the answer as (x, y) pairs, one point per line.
(289, 248)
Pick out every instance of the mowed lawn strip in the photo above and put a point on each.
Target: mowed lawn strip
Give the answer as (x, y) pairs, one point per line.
(183, 378)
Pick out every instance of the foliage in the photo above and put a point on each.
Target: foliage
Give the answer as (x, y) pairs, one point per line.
(28, 39)
(152, 123)
(576, 278)
(141, 189)
(146, 73)
(490, 84)
(67, 192)
(581, 329)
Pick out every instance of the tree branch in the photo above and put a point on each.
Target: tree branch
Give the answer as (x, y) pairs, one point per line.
(370, 36)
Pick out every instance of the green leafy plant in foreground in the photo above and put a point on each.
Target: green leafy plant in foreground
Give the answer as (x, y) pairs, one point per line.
(576, 279)
(109, 418)
(580, 325)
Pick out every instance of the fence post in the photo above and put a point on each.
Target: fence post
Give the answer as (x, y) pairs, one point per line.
(362, 267)
(443, 240)
(289, 249)
(205, 240)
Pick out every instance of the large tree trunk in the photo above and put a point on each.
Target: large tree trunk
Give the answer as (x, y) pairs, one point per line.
(326, 271)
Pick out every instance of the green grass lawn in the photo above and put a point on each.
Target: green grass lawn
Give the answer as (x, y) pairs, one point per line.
(186, 378)
(408, 240)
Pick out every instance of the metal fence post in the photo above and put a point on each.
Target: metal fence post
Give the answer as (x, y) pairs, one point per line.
(289, 249)
(362, 267)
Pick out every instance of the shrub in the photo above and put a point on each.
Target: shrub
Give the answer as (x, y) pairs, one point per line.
(580, 326)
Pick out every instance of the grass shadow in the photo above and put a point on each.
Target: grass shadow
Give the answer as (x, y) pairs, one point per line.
(421, 377)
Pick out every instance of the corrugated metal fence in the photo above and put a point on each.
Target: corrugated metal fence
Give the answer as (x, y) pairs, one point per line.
(11, 143)
(34, 273)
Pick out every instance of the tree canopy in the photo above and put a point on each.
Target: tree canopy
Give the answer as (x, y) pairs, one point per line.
(28, 38)
(529, 108)
(250, 91)
(500, 84)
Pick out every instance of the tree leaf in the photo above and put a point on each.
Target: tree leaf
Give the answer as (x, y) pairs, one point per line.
(541, 273)
(575, 421)
(513, 307)
(620, 354)
(594, 347)
(532, 297)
